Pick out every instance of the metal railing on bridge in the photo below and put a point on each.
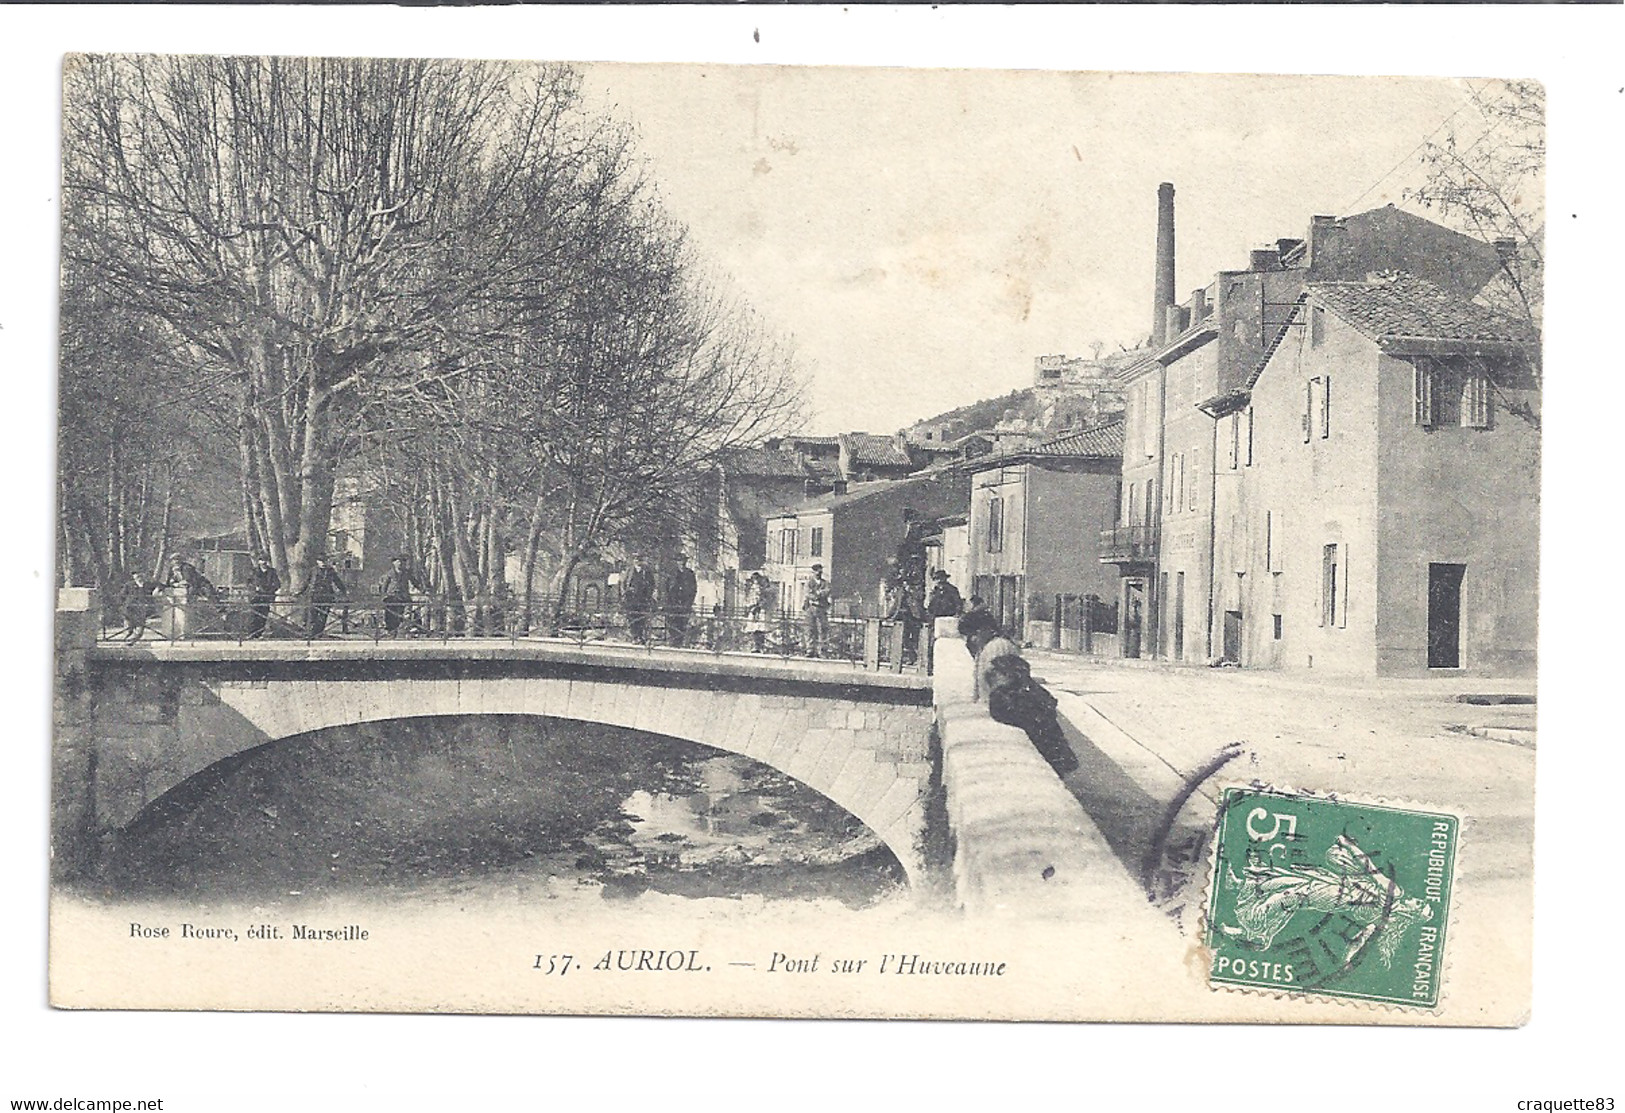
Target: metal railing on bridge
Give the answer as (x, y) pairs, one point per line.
(232, 616)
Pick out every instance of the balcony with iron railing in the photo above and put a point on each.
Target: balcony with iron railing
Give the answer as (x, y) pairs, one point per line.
(1136, 544)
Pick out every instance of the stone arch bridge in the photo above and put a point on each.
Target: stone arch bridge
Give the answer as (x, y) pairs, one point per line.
(135, 722)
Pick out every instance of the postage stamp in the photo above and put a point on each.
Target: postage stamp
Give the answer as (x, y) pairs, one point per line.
(1320, 896)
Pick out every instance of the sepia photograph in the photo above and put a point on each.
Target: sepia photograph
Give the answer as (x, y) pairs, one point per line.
(828, 514)
(661, 554)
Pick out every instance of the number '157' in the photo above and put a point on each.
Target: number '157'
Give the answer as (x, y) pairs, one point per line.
(555, 964)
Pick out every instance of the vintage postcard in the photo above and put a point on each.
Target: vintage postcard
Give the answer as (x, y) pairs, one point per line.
(560, 538)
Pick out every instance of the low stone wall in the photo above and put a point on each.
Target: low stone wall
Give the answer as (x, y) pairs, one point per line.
(1023, 845)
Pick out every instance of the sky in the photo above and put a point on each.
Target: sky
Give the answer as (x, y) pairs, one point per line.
(923, 235)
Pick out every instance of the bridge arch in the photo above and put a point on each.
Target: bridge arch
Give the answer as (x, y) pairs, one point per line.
(160, 724)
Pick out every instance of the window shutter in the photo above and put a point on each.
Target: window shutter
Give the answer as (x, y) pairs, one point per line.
(1343, 605)
(1423, 392)
(1249, 436)
(1326, 407)
(1308, 408)
(1475, 402)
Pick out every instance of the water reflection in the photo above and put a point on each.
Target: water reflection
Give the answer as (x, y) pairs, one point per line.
(549, 809)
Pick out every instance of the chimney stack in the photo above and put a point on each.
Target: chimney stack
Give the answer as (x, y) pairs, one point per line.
(1164, 289)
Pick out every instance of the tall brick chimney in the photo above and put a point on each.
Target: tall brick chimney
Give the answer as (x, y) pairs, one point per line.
(1164, 289)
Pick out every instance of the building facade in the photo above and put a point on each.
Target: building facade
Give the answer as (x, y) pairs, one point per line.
(855, 535)
(1035, 524)
(1385, 519)
(1177, 506)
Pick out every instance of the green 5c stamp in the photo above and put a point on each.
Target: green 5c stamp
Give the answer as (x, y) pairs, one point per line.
(1313, 895)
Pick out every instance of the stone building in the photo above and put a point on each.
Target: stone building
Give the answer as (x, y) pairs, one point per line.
(853, 535)
(1036, 517)
(1378, 490)
(1203, 352)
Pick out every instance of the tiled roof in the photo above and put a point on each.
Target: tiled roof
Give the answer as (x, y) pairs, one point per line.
(1100, 441)
(875, 451)
(775, 464)
(1405, 307)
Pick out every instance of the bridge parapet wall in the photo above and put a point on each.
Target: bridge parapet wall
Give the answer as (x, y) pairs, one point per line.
(1023, 845)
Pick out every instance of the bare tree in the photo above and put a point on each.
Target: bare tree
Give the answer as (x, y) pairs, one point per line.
(314, 232)
(132, 440)
(1486, 174)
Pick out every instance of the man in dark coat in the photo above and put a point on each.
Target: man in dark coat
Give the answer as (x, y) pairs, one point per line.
(396, 588)
(944, 601)
(1016, 699)
(263, 584)
(681, 588)
(325, 589)
(638, 598)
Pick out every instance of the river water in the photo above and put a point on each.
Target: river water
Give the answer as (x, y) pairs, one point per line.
(544, 809)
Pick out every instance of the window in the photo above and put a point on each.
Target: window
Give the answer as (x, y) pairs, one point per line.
(1308, 408)
(1249, 436)
(1450, 392)
(1277, 625)
(818, 541)
(1235, 440)
(787, 546)
(1195, 483)
(995, 524)
(1317, 326)
(1326, 407)
(1269, 540)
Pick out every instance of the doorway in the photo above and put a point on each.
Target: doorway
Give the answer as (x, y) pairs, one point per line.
(1232, 637)
(1444, 615)
(1179, 616)
(1133, 617)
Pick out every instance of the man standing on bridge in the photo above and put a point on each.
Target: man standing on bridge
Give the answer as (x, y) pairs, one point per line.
(396, 588)
(680, 591)
(325, 589)
(638, 597)
(263, 586)
(817, 607)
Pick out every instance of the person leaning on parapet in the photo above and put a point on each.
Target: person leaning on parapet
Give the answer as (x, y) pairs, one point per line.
(396, 588)
(816, 606)
(263, 585)
(680, 591)
(976, 622)
(326, 588)
(638, 597)
(944, 601)
(1016, 699)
